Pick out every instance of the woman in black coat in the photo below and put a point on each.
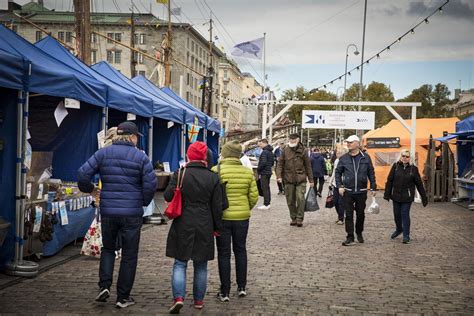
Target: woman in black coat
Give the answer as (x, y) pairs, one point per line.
(402, 180)
(191, 236)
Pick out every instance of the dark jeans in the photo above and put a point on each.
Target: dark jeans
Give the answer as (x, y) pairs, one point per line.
(338, 204)
(265, 182)
(128, 228)
(235, 233)
(401, 213)
(354, 202)
(318, 184)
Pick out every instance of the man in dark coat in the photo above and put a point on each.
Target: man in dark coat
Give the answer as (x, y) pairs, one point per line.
(191, 236)
(318, 164)
(265, 170)
(128, 184)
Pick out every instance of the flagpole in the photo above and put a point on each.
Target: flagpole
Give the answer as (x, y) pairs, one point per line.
(265, 105)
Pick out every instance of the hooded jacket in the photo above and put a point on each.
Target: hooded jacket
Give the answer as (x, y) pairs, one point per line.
(318, 164)
(294, 165)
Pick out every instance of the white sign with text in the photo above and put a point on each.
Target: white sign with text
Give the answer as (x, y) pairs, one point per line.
(338, 119)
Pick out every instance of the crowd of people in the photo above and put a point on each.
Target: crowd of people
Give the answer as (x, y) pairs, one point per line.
(129, 182)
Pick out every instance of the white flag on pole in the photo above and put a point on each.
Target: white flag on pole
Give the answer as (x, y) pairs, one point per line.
(251, 49)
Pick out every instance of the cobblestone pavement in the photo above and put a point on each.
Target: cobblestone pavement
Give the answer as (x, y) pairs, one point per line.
(294, 270)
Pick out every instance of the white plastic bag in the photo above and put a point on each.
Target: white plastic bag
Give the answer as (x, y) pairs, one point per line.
(374, 207)
(149, 210)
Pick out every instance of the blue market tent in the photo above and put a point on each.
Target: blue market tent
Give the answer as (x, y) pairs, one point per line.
(12, 68)
(50, 76)
(161, 109)
(465, 142)
(119, 97)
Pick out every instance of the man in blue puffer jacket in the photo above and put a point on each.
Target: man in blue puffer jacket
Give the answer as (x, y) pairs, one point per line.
(128, 184)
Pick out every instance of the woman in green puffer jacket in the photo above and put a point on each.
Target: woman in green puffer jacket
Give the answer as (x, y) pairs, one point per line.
(242, 194)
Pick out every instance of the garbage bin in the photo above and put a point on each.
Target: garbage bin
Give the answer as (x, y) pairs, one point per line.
(4, 226)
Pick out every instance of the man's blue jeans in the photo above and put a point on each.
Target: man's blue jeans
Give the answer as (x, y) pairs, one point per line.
(179, 279)
(128, 229)
(401, 213)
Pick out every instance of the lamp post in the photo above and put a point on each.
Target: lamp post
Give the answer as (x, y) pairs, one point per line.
(356, 52)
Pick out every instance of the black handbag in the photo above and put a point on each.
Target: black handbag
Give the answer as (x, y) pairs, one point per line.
(223, 186)
(330, 200)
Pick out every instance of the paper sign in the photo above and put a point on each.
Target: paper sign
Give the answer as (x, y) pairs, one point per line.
(60, 113)
(131, 117)
(40, 191)
(72, 103)
(101, 139)
(38, 218)
(28, 191)
(170, 124)
(166, 166)
(63, 213)
(28, 135)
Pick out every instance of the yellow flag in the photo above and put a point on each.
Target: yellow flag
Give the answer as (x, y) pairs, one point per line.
(162, 1)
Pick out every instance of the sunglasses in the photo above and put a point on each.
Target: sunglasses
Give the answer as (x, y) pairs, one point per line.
(405, 156)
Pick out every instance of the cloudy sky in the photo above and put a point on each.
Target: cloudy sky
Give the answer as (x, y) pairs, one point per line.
(307, 39)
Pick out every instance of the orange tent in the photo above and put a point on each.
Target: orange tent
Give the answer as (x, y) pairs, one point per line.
(383, 158)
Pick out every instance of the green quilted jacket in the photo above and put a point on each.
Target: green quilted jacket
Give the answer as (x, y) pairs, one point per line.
(242, 190)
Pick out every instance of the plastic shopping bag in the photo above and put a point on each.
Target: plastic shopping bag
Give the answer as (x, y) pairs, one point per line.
(311, 204)
(148, 210)
(93, 240)
(374, 207)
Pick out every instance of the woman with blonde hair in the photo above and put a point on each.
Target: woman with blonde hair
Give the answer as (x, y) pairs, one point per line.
(402, 180)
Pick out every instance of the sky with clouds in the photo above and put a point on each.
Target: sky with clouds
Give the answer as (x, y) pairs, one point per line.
(307, 39)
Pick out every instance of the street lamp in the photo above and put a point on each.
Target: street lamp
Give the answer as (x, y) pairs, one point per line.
(356, 52)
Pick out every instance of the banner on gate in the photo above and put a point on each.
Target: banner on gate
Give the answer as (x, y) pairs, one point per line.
(338, 119)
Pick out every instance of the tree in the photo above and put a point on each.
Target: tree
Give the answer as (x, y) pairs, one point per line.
(433, 100)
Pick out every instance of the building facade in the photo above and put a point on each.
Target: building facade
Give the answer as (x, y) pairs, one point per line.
(189, 47)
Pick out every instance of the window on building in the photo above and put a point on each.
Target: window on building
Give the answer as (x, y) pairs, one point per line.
(68, 37)
(110, 57)
(110, 35)
(93, 38)
(142, 39)
(94, 56)
(142, 73)
(187, 43)
(39, 35)
(61, 36)
(187, 58)
(118, 37)
(192, 47)
(225, 86)
(118, 57)
(195, 100)
(225, 74)
(188, 96)
(196, 84)
(188, 81)
(140, 59)
(199, 101)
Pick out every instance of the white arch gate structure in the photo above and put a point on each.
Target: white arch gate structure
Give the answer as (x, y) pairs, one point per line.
(342, 104)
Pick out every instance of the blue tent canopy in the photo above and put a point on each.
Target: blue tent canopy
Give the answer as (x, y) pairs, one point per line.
(49, 75)
(161, 109)
(119, 98)
(149, 86)
(212, 124)
(12, 68)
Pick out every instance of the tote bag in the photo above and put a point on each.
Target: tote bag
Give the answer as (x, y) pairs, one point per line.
(175, 207)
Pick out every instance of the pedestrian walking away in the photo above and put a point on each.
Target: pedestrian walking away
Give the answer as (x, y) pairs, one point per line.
(318, 165)
(265, 171)
(242, 194)
(191, 235)
(353, 172)
(128, 184)
(402, 181)
(277, 153)
(294, 170)
(338, 201)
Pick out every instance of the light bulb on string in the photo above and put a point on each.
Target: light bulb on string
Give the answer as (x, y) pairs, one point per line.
(440, 10)
(399, 39)
(412, 31)
(388, 47)
(378, 55)
(426, 21)
(349, 73)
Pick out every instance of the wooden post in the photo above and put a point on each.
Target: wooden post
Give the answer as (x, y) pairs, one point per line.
(444, 171)
(82, 13)
(432, 170)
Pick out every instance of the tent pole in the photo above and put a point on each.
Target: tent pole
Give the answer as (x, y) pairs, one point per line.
(23, 168)
(18, 219)
(150, 140)
(204, 133)
(413, 135)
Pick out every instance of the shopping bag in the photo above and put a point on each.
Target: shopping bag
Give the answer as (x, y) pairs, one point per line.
(374, 207)
(92, 245)
(259, 187)
(175, 207)
(311, 203)
(330, 200)
(148, 210)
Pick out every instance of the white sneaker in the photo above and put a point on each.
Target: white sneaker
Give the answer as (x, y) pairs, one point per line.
(264, 207)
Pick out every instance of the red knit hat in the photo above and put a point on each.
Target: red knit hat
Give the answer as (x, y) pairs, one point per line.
(197, 151)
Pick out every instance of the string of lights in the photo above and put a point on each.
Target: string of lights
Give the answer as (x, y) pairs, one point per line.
(386, 49)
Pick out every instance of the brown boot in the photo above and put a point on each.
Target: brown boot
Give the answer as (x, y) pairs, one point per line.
(299, 224)
(293, 222)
